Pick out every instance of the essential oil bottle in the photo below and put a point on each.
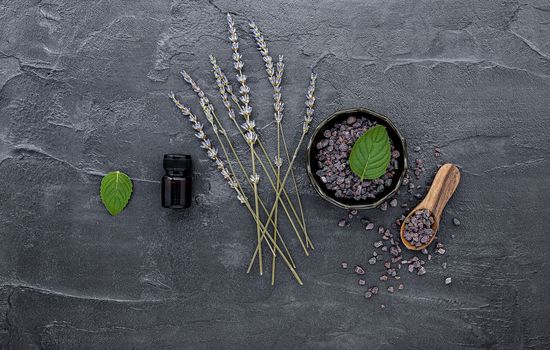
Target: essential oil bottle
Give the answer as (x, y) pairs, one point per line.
(177, 183)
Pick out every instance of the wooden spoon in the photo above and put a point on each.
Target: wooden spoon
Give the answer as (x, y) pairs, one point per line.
(444, 185)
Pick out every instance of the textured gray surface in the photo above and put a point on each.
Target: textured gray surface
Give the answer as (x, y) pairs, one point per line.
(83, 90)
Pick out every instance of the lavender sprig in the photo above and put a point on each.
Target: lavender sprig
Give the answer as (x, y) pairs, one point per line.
(275, 78)
(251, 136)
(310, 102)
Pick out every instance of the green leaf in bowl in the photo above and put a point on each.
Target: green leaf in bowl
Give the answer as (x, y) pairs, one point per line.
(371, 154)
(115, 192)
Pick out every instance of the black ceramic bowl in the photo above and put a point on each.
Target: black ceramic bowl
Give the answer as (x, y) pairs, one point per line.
(312, 166)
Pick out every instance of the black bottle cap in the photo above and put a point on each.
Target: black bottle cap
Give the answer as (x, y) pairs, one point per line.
(178, 162)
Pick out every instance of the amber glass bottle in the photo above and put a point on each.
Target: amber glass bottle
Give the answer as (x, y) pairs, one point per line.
(177, 183)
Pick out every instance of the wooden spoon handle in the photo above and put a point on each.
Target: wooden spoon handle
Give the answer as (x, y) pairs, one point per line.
(444, 185)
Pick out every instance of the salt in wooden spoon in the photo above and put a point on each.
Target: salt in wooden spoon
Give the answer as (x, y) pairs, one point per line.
(444, 185)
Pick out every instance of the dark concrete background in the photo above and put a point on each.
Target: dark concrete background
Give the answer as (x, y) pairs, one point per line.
(83, 91)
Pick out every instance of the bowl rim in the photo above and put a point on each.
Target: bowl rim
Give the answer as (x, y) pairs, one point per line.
(310, 149)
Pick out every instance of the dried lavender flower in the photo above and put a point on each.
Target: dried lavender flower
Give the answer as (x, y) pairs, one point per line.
(310, 101)
(239, 65)
(251, 137)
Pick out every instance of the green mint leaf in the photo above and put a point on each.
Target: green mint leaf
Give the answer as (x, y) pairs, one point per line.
(115, 192)
(371, 154)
